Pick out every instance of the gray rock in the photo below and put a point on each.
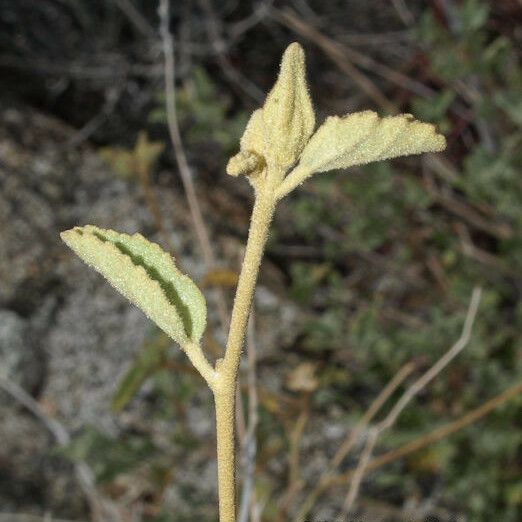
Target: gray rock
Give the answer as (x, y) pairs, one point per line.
(94, 338)
(15, 349)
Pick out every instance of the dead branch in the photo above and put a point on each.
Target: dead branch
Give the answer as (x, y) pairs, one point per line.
(435, 435)
(407, 397)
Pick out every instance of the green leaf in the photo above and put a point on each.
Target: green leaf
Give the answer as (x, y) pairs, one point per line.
(511, 103)
(109, 457)
(149, 360)
(361, 138)
(147, 276)
(364, 137)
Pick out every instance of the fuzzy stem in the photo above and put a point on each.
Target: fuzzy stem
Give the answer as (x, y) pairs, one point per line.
(292, 181)
(225, 409)
(227, 368)
(200, 362)
(262, 215)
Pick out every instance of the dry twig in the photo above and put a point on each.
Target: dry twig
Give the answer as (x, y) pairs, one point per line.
(435, 435)
(359, 472)
(179, 152)
(295, 483)
(352, 439)
(112, 96)
(337, 53)
(214, 32)
(428, 376)
(404, 13)
(347, 59)
(136, 18)
(374, 408)
(407, 397)
(22, 517)
(464, 211)
(175, 135)
(259, 13)
(248, 500)
(356, 476)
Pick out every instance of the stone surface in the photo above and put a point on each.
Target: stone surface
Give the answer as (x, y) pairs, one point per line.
(20, 361)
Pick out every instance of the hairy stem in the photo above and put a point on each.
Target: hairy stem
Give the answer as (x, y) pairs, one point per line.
(200, 362)
(227, 368)
(262, 215)
(292, 181)
(225, 407)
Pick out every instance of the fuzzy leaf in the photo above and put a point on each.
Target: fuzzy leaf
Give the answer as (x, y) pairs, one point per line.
(250, 160)
(288, 113)
(364, 137)
(255, 136)
(147, 276)
(245, 162)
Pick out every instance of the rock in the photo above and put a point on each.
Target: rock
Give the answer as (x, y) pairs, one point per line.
(19, 363)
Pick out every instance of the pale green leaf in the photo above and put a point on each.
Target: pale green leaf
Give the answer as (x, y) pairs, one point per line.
(255, 137)
(245, 162)
(147, 276)
(364, 137)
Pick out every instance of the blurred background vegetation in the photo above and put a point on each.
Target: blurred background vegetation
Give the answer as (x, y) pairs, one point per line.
(379, 262)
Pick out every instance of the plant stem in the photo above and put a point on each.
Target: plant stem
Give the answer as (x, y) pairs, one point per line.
(225, 408)
(227, 368)
(262, 215)
(200, 363)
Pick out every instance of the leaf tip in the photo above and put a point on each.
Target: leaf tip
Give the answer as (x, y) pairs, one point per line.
(438, 141)
(294, 54)
(68, 236)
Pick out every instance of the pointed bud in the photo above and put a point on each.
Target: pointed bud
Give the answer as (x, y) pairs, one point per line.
(288, 113)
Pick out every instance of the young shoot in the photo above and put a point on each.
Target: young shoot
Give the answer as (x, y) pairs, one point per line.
(278, 151)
